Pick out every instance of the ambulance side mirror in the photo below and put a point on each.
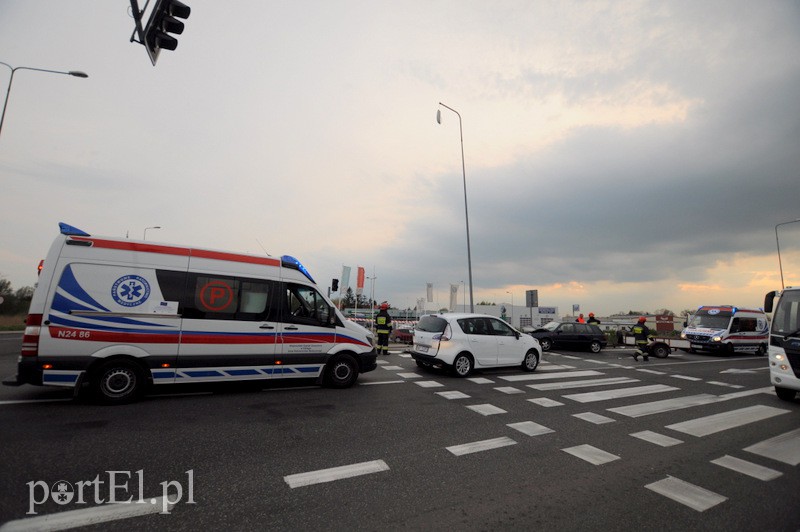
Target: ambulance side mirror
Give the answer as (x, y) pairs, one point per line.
(769, 299)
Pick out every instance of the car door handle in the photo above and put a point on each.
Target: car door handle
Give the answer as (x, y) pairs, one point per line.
(290, 328)
(266, 326)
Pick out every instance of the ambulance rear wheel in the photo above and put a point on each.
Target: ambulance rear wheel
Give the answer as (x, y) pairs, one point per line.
(341, 371)
(118, 382)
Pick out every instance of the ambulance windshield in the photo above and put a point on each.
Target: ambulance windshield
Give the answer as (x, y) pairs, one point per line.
(711, 319)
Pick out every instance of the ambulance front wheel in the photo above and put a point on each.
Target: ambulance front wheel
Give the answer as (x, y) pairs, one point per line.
(341, 371)
(118, 381)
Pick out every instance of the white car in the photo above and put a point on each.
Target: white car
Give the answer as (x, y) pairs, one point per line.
(464, 342)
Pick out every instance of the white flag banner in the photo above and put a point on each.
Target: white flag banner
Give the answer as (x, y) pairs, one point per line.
(453, 296)
(345, 279)
(430, 292)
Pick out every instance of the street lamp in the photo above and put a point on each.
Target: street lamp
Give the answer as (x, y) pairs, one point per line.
(777, 242)
(76, 73)
(146, 228)
(512, 306)
(466, 209)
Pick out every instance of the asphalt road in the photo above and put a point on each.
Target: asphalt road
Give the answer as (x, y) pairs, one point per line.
(587, 442)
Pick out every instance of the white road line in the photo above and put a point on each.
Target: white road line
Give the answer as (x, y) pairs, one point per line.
(379, 382)
(509, 390)
(694, 497)
(544, 401)
(666, 405)
(654, 437)
(530, 428)
(736, 395)
(453, 395)
(748, 468)
(591, 417)
(549, 366)
(25, 401)
(405, 355)
(571, 357)
(87, 516)
(428, 384)
(704, 426)
(335, 473)
(593, 361)
(593, 455)
(560, 375)
(480, 380)
(486, 409)
(478, 446)
(393, 368)
(581, 383)
(784, 448)
(605, 395)
(410, 375)
(381, 362)
(651, 371)
(686, 378)
(717, 383)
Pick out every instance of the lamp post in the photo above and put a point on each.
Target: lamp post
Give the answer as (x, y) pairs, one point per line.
(512, 306)
(466, 209)
(146, 228)
(76, 73)
(777, 242)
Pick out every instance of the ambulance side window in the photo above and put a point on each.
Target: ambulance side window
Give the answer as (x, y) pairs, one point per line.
(217, 297)
(304, 305)
(173, 285)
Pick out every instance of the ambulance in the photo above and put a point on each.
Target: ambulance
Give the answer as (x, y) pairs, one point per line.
(117, 316)
(784, 342)
(727, 329)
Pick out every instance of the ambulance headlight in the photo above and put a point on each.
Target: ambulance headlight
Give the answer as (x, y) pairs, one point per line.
(716, 339)
(779, 357)
(683, 335)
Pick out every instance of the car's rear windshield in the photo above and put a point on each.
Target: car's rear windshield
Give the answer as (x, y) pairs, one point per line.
(433, 324)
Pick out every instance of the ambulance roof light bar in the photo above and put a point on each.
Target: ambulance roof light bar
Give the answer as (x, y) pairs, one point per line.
(68, 230)
(288, 261)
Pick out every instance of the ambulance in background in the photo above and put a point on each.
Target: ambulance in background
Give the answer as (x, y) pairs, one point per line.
(727, 329)
(784, 342)
(118, 315)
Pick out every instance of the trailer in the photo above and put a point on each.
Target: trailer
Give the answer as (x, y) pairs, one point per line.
(661, 346)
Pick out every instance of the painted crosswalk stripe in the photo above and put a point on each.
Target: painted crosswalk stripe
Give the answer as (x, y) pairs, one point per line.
(665, 405)
(428, 384)
(651, 371)
(783, 448)
(581, 383)
(453, 395)
(546, 402)
(530, 428)
(591, 454)
(478, 446)
(704, 426)
(557, 375)
(686, 378)
(509, 390)
(694, 497)
(480, 380)
(410, 375)
(605, 395)
(718, 383)
(393, 368)
(748, 468)
(335, 473)
(548, 366)
(654, 437)
(486, 409)
(591, 417)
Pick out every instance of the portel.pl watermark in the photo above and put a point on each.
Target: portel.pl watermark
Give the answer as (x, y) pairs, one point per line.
(112, 487)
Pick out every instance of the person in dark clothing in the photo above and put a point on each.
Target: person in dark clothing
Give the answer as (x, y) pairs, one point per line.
(383, 327)
(641, 335)
(592, 319)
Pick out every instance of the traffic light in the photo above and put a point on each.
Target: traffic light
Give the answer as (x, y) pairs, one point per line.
(163, 21)
(334, 285)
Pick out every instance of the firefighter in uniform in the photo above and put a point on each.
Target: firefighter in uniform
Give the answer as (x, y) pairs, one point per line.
(641, 333)
(383, 326)
(592, 319)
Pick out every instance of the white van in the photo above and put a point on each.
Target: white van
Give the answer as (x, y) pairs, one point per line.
(117, 315)
(727, 329)
(784, 342)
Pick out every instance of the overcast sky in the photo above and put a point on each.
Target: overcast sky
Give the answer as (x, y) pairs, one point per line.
(619, 155)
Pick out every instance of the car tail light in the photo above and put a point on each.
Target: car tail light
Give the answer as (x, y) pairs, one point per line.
(39, 268)
(30, 339)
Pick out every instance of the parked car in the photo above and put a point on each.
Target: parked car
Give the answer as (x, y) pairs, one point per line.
(570, 335)
(403, 336)
(463, 342)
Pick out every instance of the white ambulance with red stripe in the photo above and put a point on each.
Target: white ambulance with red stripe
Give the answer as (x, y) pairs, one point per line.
(118, 315)
(727, 329)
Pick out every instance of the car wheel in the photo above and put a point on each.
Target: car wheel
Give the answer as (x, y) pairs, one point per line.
(595, 347)
(761, 351)
(341, 372)
(661, 351)
(785, 394)
(546, 344)
(118, 382)
(531, 360)
(462, 365)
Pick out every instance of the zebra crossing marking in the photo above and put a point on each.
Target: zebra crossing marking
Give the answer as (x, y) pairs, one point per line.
(486, 409)
(703, 426)
(686, 378)
(591, 417)
(480, 380)
(717, 383)
(453, 395)
(410, 375)
(783, 448)
(510, 390)
(335, 473)
(659, 439)
(478, 446)
(545, 376)
(694, 497)
(530, 428)
(605, 395)
(665, 405)
(393, 368)
(581, 383)
(591, 454)
(546, 402)
(429, 384)
(747, 468)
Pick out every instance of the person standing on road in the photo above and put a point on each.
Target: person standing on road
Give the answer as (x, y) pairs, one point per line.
(383, 326)
(580, 319)
(640, 334)
(592, 319)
